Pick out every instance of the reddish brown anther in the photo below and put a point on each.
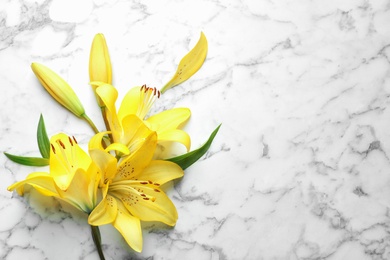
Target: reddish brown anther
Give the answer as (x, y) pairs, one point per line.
(62, 144)
(70, 141)
(54, 149)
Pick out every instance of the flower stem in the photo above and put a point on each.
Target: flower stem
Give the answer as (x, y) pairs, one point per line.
(106, 122)
(89, 121)
(97, 240)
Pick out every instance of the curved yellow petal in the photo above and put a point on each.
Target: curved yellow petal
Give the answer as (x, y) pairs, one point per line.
(81, 192)
(130, 103)
(189, 64)
(134, 132)
(155, 206)
(138, 159)
(58, 88)
(108, 95)
(169, 119)
(96, 141)
(118, 147)
(99, 60)
(104, 213)
(130, 228)
(106, 162)
(175, 135)
(41, 181)
(160, 172)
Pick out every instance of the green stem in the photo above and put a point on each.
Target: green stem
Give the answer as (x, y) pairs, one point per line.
(89, 121)
(97, 240)
(105, 119)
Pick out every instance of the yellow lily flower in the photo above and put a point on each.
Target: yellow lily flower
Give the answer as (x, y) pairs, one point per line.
(73, 176)
(99, 63)
(132, 187)
(138, 102)
(58, 88)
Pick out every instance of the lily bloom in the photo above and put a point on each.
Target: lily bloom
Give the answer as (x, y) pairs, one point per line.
(132, 187)
(73, 176)
(138, 102)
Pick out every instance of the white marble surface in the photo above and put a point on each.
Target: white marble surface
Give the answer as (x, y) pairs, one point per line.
(301, 166)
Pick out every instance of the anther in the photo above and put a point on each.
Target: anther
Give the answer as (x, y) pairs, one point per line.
(54, 149)
(62, 144)
(70, 141)
(74, 139)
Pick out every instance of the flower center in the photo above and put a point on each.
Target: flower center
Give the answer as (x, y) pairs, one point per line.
(65, 154)
(147, 98)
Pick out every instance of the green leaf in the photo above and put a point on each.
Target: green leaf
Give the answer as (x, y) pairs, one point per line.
(29, 161)
(43, 139)
(186, 160)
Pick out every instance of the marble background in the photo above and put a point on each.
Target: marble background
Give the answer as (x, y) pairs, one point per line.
(301, 166)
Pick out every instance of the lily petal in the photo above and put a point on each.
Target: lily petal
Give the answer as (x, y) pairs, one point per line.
(176, 135)
(104, 213)
(130, 165)
(169, 119)
(106, 162)
(96, 141)
(134, 132)
(155, 207)
(189, 64)
(118, 147)
(161, 172)
(130, 228)
(80, 193)
(41, 181)
(108, 94)
(130, 103)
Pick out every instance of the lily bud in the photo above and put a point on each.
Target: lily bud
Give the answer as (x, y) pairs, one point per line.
(99, 63)
(58, 88)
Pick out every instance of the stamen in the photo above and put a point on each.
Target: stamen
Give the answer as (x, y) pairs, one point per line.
(62, 144)
(147, 98)
(54, 149)
(74, 139)
(70, 141)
